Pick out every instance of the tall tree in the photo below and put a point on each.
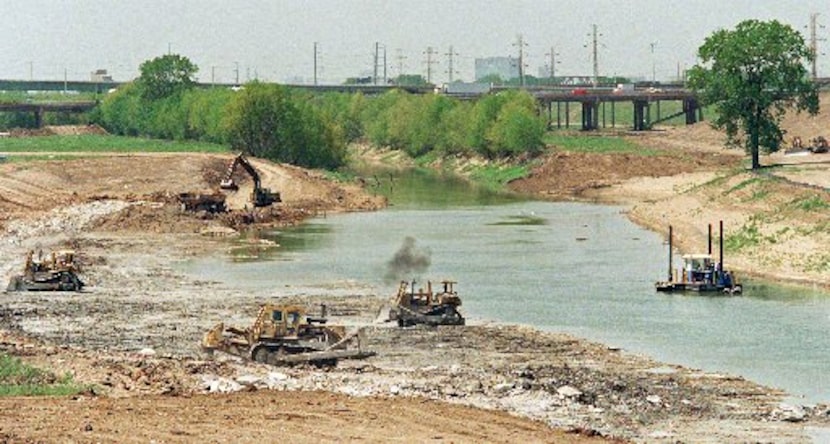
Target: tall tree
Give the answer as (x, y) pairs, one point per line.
(164, 76)
(752, 75)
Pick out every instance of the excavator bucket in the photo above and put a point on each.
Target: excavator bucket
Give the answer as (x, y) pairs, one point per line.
(228, 184)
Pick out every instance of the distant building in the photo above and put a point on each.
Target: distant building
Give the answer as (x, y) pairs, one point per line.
(100, 75)
(505, 67)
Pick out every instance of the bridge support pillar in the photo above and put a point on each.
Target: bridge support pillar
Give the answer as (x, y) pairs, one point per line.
(690, 108)
(38, 117)
(641, 117)
(590, 116)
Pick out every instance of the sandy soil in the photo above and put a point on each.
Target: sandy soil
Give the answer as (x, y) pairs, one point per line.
(134, 334)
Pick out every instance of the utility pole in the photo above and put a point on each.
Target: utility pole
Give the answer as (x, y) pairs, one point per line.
(521, 44)
(814, 25)
(315, 63)
(450, 69)
(236, 71)
(212, 76)
(653, 68)
(429, 62)
(552, 54)
(594, 53)
(400, 57)
(385, 79)
(375, 69)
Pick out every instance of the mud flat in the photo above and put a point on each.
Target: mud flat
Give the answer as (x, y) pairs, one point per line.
(135, 335)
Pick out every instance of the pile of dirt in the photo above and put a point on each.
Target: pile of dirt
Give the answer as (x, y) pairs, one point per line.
(154, 181)
(74, 130)
(569, 175)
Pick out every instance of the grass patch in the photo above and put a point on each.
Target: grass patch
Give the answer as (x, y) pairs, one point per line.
(342, 176)
(496, 177)
(105, 143)
(597, 144)
(819, 263)
(742, 185)
(428, 158)
(746, 237)
(810, 203)
(20, 379)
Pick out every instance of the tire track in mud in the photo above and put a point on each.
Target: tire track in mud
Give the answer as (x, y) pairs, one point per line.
(26, 194)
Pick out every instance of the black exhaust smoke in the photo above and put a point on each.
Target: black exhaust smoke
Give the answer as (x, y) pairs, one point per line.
(408, 261)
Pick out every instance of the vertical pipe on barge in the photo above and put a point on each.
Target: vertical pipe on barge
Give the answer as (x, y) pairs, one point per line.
(720, 247)
(670, 253)
(710, 240)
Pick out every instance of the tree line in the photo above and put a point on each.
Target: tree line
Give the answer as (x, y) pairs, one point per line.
(312, 130)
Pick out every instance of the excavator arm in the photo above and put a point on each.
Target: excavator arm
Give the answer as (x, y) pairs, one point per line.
(260, 197)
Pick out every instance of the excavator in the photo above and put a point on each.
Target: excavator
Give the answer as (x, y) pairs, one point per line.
(286, 335)
(260, 197)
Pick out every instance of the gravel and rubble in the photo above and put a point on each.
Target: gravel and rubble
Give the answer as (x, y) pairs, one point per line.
(135, 333)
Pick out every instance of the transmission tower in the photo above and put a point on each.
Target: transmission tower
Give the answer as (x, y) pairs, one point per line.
(400, 58)
(552, 71)
(429, 53)
(450, 69)
(594, 46)
(316, 58)
(520, 43)
(814, 39)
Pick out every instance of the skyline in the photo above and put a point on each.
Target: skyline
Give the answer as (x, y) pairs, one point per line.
(275, 40)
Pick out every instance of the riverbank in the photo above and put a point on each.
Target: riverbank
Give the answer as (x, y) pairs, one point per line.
(134, 337)
(775, 220)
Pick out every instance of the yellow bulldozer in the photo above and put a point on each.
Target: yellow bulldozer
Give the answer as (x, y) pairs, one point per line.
(425, 306)
(286, 335)
(55, 272)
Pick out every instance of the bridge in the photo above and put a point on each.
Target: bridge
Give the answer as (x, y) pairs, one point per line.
(103, 87)
(598, 106)
(39, 108)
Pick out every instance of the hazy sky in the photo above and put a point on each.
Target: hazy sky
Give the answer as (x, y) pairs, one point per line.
(274, 39)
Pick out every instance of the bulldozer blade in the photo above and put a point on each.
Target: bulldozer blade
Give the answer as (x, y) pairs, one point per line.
(323, 356)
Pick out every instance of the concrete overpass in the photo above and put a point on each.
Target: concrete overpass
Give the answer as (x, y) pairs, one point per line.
(40, 108)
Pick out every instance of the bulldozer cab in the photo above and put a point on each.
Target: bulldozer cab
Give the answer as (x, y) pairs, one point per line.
(281, 321)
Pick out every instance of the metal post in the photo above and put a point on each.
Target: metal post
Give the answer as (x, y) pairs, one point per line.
(710, 240)
(670, 253)
(721, 245)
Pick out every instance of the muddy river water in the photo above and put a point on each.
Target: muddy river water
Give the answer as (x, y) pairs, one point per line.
(572, 267)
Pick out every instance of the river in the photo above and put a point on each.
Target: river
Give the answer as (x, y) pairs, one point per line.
(567, 267)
